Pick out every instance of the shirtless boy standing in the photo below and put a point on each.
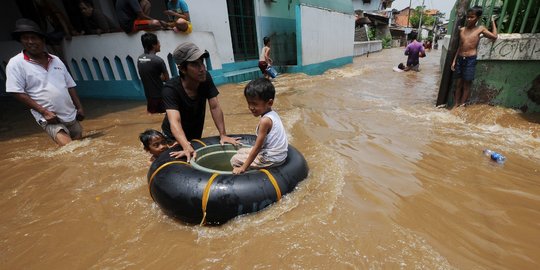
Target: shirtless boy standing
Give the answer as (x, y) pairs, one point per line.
(464, 63)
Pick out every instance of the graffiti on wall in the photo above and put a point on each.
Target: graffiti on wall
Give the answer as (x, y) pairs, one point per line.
(510, 47)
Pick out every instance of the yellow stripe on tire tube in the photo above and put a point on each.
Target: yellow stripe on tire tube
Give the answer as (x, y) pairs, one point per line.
(199, 141)
(274, 183)
(159, 169)
(205, 196)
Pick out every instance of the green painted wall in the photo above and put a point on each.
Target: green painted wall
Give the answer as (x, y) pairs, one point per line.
(344, 6)
(278, 9)
(505, 83)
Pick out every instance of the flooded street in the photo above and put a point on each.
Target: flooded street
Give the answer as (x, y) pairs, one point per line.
(394, 183)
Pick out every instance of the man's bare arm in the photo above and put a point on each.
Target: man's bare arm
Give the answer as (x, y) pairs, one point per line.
(77, 103)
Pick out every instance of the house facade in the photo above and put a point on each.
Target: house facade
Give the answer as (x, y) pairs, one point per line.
(104, 66)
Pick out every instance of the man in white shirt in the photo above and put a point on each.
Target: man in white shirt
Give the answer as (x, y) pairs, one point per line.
(42, 82)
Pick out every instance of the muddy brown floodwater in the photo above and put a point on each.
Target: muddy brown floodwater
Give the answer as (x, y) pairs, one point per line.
(394, 183)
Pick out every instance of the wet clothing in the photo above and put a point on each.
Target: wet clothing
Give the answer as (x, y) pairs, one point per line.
(465, 67)
(192, 110)
(47, 87)
(273, 150)
(242, 155)
(275, 146)
(73, 129)
(151, 67)
(154, 105)
(126, 12)
(262, 66)
(413, 51)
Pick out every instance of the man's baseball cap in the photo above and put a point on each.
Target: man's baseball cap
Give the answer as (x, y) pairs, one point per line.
(188, 52)
(24, 25)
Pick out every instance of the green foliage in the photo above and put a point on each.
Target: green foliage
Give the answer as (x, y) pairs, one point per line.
(427, 20)
(387, 42)
(371, 33)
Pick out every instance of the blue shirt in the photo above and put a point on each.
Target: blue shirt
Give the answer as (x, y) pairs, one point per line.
(180, 7)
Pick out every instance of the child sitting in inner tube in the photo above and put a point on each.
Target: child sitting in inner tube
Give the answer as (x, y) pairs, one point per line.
(271, 144)
(154, 142)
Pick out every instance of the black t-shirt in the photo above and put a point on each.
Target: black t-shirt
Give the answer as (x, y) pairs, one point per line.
(150, 68)
(192, 110)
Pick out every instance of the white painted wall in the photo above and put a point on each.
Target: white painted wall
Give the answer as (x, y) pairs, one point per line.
(327, 39)
(122, 45)
(211, 16)
(510, 47)
(365, 47)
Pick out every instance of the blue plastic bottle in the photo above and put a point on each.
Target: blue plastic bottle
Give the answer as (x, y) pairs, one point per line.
(497, 157)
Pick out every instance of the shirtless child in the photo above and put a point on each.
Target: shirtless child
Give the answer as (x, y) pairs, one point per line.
(464, 63)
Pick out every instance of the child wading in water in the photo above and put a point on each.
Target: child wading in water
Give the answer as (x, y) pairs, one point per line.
(271, 144)
(154, 142)
(264, 58)
(464, 63)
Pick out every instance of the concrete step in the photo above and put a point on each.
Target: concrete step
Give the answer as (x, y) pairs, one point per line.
(242, 75)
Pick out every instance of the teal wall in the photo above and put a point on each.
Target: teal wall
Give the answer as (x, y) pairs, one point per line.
(344, 6)
(505, 83)
(278, 9)
(282, 33)
(317, 69)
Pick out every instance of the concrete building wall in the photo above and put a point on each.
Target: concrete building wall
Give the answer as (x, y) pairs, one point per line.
(402, 18)
(200, 11)
(505, 71)
(277, 20)
(319, 37)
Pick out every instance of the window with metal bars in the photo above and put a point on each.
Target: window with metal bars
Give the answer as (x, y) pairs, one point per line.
(243, 29)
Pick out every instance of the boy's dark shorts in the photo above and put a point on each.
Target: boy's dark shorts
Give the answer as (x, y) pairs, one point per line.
(262, 66)
(465, 67)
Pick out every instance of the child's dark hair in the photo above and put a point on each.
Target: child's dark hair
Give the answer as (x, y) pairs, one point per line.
(261, 88)
(147, 135)
(477, 10)
(401, 66)
(148, 41)
(266, 40)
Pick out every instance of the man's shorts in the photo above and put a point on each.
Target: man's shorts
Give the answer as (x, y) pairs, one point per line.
(155, 105)
(465, 67)
(73, 129)
(141, 25)
(262, 66)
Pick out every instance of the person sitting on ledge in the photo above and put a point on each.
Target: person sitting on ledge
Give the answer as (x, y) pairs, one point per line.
(94, 21)
(178, 12)
(132, 18)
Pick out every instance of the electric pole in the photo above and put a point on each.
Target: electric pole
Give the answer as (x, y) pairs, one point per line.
(446, 76)
(420, 23)
(409, 16)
